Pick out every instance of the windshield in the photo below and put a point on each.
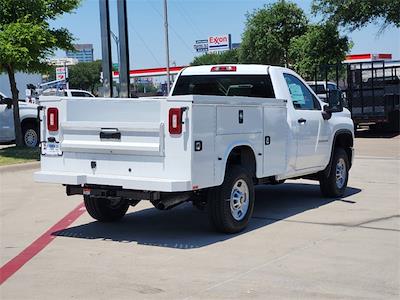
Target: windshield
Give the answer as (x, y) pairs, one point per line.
(225, 85)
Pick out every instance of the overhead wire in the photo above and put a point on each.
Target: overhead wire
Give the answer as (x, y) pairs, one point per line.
(173, 29)
(185, 15)
(144, 43)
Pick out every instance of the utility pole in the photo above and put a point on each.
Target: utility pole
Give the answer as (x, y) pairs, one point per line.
(106, 47)
(116, 40)
(166, 43)
(124, 79)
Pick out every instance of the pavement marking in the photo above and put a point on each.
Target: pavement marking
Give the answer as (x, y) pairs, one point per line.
(39, 244)
(377, 157)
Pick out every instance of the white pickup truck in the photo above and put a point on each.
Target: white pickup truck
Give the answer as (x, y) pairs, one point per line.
(222, 130)
(29, 122)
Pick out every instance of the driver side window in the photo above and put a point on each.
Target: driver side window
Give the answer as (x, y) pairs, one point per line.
(302, 98)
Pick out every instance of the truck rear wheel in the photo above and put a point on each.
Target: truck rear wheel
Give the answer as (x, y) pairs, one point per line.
(335, 183)
(105, 210)
(230, 206)
(30, 135)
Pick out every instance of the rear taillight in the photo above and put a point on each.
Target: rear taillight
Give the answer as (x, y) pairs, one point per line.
(52, 119)
(175, 121)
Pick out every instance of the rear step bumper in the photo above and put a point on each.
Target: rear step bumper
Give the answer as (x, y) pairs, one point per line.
(126, 182)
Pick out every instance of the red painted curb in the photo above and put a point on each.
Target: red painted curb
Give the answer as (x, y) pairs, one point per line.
(38, 245)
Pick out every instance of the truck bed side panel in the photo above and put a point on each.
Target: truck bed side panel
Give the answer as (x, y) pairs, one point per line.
(234, 130)
(204, 128)
(275, 140)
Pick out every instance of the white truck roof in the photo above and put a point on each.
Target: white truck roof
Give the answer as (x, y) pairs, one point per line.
(240, 69)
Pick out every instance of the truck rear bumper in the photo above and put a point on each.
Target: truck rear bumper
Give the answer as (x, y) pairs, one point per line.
(126, 182)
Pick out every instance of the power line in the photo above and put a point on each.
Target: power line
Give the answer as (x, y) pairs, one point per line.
(183, 12)
(145, 44)
(173, 29)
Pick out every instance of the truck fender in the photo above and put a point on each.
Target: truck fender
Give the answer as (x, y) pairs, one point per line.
(220, 174)
(349, 136)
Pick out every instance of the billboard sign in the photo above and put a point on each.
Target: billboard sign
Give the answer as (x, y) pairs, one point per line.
(201, 46)
(219, 43)
(61, 73)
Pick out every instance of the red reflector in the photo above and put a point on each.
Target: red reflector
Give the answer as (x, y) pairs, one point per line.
(86, 191)
(52, 119)
(175, 121)
(223, 69)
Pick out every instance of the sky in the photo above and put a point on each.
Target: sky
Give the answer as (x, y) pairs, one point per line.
(190, 20)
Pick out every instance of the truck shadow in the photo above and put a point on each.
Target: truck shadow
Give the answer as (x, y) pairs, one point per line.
(376, 134)
(185, 227)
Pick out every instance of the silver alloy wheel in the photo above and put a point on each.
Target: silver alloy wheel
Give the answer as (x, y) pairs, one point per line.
(30, 138)
(340, 173)
(239, 201)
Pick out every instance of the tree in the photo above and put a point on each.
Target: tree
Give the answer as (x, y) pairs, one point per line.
(85, 76)
(27, 39)
(320, 45)
(269, 32)
(226, 57)
(355, 14)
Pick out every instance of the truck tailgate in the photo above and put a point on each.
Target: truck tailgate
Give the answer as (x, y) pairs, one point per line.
(113, 141)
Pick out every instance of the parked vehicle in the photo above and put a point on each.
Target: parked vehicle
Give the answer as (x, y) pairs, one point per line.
(373, 93)
(67, 93)
(322, 88)
(222, 130)
(28, 117)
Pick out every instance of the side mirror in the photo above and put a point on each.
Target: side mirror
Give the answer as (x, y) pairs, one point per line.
(8, 102)
(327, 113)
(335, 100)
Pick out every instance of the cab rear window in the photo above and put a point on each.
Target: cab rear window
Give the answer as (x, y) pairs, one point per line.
(225, 85)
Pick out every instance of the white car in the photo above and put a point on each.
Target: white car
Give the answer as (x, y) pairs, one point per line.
(29, 122)
(222, 130)
(67, 93)
(322, 88)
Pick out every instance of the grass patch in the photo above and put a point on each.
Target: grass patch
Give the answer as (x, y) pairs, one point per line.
(16, 155)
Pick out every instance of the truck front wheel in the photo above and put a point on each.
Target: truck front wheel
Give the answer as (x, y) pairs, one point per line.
(335, 183)
(105, 210)
(30, 135)
(230, 206)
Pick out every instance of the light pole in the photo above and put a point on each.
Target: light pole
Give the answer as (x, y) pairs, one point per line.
(124, 79)
(106, 47)
(116, 40)
(166, 42)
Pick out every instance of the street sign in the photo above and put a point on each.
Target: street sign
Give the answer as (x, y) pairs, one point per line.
(201, 46)
(61, 73)
(219, 43)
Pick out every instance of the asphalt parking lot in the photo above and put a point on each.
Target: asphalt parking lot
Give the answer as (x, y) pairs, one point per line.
(298, 244)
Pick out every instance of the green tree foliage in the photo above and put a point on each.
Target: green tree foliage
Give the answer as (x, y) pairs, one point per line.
(358, 13)
(269, 32)
(226, 57)
(320, 45)
(85, 76)
(27, 39)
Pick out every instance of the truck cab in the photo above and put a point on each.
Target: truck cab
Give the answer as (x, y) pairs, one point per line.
(222, 130)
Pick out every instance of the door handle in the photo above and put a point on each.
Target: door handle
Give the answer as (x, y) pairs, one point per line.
(110, 134)
(301, 120)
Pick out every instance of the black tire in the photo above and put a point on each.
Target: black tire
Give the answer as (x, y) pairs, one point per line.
(103, 210)
(30, 135)
(199, 200)
(330, 186)
(219, 208)
(394, 122)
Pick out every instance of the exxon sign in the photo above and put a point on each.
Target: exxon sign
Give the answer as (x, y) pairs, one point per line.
(219, 43)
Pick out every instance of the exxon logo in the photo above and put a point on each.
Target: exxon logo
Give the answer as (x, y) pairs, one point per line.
(218, 41)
